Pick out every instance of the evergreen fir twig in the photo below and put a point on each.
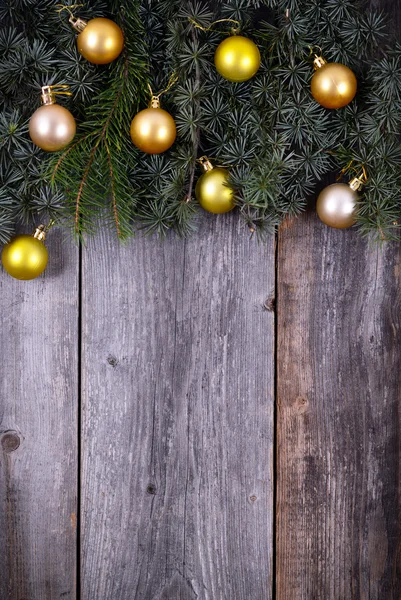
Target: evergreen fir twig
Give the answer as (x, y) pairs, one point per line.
(276, 140)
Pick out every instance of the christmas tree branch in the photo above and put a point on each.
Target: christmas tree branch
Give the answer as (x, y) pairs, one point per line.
(113, 190)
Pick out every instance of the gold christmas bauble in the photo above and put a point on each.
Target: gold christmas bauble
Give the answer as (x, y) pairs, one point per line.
(333, 85)
(153, 130)
(237, 58)
(336, 206)
(52, 127)
(213, 192)
(24, 257)
(101, 41)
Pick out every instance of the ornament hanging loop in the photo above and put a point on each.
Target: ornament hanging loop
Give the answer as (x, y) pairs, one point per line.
(155, 98)
(233, 30)
(50, 91)
(69, 8)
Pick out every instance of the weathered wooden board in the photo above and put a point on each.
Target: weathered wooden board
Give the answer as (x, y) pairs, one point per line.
(178, 392)
(338, 427)
(38, 430)
(338, 424)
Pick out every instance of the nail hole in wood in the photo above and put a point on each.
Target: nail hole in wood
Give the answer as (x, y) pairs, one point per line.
(151, 489)
(112, 360)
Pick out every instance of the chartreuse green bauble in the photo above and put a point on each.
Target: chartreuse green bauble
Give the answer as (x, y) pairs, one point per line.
(237, 58)
(213, 191)
(25, 256)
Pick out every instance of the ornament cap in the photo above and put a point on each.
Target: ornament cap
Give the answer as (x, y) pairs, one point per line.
(49, 92)
(77, 23)
(356, 184)
(205, 162)
(319, 62)
(154, 102)
(40, 233)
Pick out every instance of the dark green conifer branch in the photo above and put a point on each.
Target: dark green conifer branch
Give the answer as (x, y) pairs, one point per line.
(277, 141)
(100, 157)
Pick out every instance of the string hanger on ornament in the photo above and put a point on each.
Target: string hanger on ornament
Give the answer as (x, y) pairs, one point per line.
(233, 30)
(358, 181)
(78, 24)
(155, 98)
(50, 91)
(318, 60)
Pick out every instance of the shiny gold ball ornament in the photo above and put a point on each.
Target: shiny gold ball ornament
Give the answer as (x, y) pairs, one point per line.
(25, 256)
(153, 129)
(336, 204)
(237, 58)
(212, 190)
(100, 40)
(52, 127)
(333, 85)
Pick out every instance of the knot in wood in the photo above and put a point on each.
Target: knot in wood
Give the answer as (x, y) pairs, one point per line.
(10, 441)
(301, 404)
(270, 303)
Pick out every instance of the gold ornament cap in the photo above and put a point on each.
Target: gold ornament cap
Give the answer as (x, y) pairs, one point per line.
(356, 184)
(205, 163)
(40, 233)
(49, 93)
(154, 102)
(319, 62)
(77, 23)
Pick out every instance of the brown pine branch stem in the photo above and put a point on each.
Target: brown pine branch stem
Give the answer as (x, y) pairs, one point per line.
(113, 193)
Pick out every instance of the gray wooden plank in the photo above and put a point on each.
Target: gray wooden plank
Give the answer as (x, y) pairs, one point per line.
(177, 428)
(338, 422)
(38, 430)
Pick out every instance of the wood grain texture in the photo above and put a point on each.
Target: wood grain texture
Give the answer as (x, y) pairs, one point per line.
(38, 430)
(178, 391)
(338, 424)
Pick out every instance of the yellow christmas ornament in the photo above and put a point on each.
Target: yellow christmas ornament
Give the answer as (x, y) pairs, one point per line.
(153, 129)
(237, 58)
(333, 85)
(25, 256)
(52, 127)
(100, 40)
(336, 204)
(212, 190)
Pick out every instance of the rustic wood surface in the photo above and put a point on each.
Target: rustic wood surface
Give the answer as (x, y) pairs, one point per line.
(177, 421)
(338, 428)
(191, 484)
(38, 430)
(338, 411)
